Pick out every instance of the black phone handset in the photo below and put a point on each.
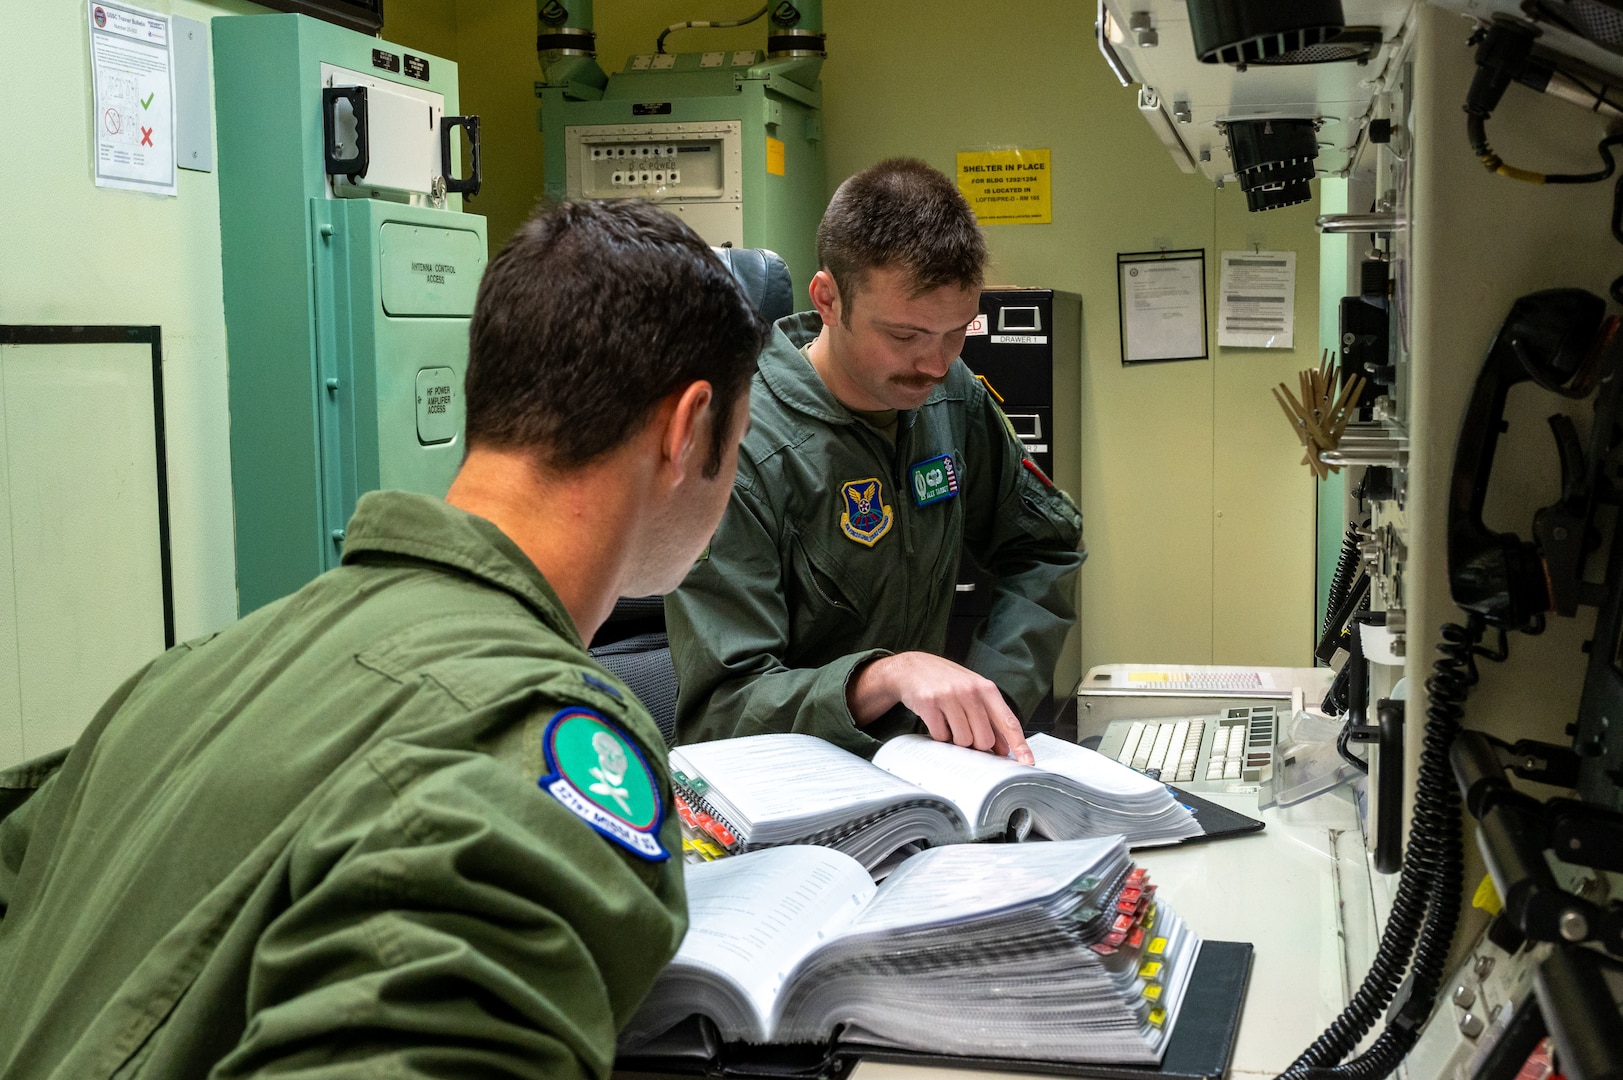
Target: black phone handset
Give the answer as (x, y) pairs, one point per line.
(1560, 340)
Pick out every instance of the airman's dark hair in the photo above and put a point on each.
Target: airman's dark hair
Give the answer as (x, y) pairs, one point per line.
(591, 315)
(900, 213)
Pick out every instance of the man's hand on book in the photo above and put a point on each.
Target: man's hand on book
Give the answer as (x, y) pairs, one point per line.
(956, 705)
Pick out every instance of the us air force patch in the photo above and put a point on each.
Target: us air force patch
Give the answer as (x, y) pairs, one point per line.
(866, 517)
(601, 777)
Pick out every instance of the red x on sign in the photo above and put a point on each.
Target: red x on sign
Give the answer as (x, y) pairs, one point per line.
(146, 136)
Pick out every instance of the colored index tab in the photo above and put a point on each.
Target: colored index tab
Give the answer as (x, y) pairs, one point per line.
(1150, 969)
(1158, 1017)
(1152, 992)
(1487, 897)
(1158, 946)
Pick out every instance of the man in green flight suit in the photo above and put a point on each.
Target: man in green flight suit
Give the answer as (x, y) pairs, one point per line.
(399, 823)
(874, 460)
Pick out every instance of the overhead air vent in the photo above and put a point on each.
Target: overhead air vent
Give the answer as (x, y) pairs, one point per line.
(1355, 44)
(1242, 32)
(1273, 160)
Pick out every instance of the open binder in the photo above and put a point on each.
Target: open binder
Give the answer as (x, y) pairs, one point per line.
(1200, 1047)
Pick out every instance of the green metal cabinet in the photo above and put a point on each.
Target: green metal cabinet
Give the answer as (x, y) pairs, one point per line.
(346, 317)
(766, 124)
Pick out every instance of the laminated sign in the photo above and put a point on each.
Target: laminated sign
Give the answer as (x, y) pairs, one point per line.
(1006, 187)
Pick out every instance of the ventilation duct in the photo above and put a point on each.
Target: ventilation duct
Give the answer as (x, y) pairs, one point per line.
(1242, 32)
(1273, 160)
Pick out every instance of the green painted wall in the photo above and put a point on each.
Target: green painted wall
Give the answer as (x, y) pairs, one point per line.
(73, 253)
(1200, 520)
(76, 253)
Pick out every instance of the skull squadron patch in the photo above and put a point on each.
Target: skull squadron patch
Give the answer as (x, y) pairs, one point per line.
(601, 777)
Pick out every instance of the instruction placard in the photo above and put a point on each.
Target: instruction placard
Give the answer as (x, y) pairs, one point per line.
(1006, 187)
(1257, 306)
(134, 96)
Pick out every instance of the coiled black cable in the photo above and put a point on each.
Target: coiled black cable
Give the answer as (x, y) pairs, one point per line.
(1341, 581)
(1426, 908)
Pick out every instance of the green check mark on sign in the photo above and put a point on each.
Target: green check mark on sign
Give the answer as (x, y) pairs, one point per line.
(147, 104)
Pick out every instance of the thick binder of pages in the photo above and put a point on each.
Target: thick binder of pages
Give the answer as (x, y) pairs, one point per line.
(1200, 1047)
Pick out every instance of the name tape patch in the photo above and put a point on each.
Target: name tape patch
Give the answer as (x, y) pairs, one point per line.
(934, 480)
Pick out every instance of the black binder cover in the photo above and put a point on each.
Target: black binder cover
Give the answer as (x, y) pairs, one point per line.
(1199, 1049)
(1217, 821)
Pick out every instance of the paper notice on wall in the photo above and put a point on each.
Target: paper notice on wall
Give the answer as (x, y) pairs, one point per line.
(1256, 306)
(1007, 187)
(134, 98)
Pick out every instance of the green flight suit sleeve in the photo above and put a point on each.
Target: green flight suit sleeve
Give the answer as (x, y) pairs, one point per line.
(1029, 538)
(729, 633)
(19, 785)
(22, 789)
(450, 918)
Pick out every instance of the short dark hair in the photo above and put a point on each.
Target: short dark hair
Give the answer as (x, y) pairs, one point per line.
(900, 213)
(590, 315)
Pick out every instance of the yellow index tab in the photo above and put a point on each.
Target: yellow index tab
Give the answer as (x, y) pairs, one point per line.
(1157, 947)
(1487, 897)
(1150, 970)
(1152, 992)
(1158, 1017)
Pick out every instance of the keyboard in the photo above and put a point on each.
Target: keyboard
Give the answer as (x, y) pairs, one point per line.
(1239, 681)
(1215, 752)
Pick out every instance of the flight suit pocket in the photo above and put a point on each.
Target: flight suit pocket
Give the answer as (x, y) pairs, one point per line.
(1050, 511)
(820, 605)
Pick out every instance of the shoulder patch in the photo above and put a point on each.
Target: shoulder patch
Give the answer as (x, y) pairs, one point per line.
(598, 684)
(597, 772)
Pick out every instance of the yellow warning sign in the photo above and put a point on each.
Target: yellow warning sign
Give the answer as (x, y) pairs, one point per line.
(774, 156)
(1006, 187)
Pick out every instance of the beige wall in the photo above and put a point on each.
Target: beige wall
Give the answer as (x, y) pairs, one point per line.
(1199, 519)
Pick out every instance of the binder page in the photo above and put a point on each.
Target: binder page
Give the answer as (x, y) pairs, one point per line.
(966, 776)
(753, 917)
(1091, 769)
(950, 884)
(788, 776)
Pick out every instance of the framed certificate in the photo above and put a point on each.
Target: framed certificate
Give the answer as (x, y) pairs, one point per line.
(1161, 297)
